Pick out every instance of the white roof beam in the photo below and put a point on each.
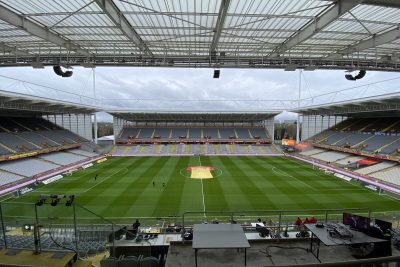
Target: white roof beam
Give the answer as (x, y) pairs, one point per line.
(332, 14)
(35, 29)
(119, 19)
(13, 50)
(223, 10)
(374, 41)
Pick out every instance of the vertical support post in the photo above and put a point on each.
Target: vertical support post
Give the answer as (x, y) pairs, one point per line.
(95, 127)
(279, 223)
(37, 242)
(298, 115)
(113, 240)
(2, 225)
(94, 97)
(326, 216)
(75, 229)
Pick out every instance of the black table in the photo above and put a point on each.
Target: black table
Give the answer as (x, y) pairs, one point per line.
(322, 235)
(219, 236)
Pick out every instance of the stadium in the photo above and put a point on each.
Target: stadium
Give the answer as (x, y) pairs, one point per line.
(199, 182)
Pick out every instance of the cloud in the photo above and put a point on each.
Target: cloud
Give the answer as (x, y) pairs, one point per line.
(122, 87)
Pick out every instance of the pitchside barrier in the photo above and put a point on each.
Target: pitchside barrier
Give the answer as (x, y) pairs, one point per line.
(76, 228)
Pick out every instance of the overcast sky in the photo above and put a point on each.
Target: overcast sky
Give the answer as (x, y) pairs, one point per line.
(169, 84)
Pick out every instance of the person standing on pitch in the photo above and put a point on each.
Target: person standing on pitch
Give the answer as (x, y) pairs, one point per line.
(163, 184)
(154, 184)
(95, 177)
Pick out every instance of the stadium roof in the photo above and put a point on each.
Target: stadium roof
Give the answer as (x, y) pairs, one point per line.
(194, 116)
(383, 106)
(20, 104)
(326, 34)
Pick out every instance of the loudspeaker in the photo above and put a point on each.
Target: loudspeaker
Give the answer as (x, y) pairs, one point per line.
(57, 70)
(216, 74)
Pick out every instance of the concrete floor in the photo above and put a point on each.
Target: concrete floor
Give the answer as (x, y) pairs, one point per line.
(261, 253)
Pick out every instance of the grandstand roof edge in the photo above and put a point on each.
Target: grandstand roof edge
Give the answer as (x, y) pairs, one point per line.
(13, 100)
(379, 103)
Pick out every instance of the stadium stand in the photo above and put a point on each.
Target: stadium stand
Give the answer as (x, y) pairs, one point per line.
(312, 151)
(7, 177)
(62, 158)
(83, 152)
(362, 135)
(375, 168)
(174, 133)
(390, 175)
(329, 156)
(27, 167)
(349, 160)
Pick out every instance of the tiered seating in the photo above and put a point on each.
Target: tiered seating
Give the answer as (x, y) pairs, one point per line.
(6, 177)
(60, 136)
(146, 133)
(353, 139)
(226, 133)
(330, 156)
(16, 143)
(185, 149)
(377, 167)
(175, 133)
(27, 167)
(178, 132)
(38, 139)
(82, 152)
(258, 132)
(349, 160)
(243, 133)
(128, 133)
(334, 138)
(391, 175)
(379, 141)
(162, 132)
(372, 135)
(312, 151)
(195, 133)
(211, 132)
(391, 148)
(62, 158)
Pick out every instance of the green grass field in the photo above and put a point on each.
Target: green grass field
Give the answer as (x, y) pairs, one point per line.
(124, 188)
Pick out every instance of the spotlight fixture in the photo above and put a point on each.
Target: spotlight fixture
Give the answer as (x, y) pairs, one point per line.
(291, 67)
(58, 70)
(56, 199)
(42, 199)
(216, 74)
(359, 76)
(70, 200)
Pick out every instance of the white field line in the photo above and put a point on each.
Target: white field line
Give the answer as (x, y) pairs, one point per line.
(291, 176)
(194, 217)
(105, 179)
(359, 187)
(202, 192)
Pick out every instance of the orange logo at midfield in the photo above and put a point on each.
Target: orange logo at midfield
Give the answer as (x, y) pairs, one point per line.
(201, 172)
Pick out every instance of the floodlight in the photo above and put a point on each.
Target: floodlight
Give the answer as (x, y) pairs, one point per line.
(88, 65)
(291, 67)
(310, 68)
(37, 65)
(216, 74)
(359, 76)
(57, 70)
(70, 200)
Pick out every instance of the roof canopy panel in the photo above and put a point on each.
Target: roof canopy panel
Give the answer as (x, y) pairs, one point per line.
(340, 34)
(193, 116)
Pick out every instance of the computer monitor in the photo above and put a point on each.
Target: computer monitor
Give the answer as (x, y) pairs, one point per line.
(383, 225)
(356, 222)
